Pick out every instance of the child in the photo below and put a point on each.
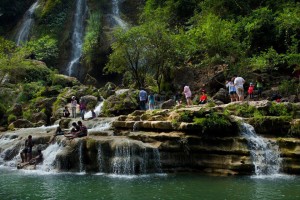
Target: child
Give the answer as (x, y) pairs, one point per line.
(151, 101)
(203, 97)
(251, 90)
(259, 86)
(231, 90)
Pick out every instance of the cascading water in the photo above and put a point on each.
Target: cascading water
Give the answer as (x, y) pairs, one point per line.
(97, 110)
(49, 155)
(265, 154)
(116, 14)
(131, 159)
(77, 38)
(81, 156)
(27, 22)
(100, 159)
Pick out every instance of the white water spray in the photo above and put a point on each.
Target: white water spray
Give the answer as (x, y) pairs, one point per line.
(27, 22)
(265, 154)
(77, 38)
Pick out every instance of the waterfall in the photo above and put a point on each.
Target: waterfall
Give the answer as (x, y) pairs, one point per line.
(116, 14)
(81, 157)
(97, 110)
(77, 38)
(264, 153)
(130, 159)
(49, 155)
(100, 159)
(27, 22)
(157, 162)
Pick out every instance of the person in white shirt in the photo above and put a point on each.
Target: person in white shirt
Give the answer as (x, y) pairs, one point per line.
(239, 85)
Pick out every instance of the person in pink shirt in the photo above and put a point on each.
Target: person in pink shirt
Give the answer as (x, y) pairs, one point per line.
(188, 95)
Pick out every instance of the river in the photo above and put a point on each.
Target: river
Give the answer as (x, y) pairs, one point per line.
(19, 184)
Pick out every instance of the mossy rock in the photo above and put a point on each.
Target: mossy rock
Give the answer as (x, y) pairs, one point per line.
(64, 81)
(271, 125)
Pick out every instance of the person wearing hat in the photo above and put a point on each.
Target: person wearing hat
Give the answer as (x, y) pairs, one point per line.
(73, 106)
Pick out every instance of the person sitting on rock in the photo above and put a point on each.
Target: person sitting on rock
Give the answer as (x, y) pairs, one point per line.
(26, 153)
(203, 97)
(74, 130)
(58, 131)
(82, 131)
(66, 112)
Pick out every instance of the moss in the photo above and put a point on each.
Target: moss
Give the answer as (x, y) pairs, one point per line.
(295, 129)
(11, 118)
(243, 110)
(90, 143)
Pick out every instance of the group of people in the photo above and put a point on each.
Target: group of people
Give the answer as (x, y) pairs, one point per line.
(188, 96)
(82, 107)
(78, 130)
(145, 98)
(236, 88)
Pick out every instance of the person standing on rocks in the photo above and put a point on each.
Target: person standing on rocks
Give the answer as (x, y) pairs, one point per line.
(73, 106)
(239, 85)
(232, 90)
(143, 99)
(82, 107)
(188, 95)
(26, 153)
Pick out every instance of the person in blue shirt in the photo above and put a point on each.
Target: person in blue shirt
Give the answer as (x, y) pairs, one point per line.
(143, 99)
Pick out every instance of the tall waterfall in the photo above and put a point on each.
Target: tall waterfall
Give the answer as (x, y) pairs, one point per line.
(77, 38)
(116, 14)
(265, 154)
(27, 22)
(81, 157)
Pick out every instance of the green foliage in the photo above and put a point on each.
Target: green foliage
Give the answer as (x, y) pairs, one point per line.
(30, 91)
(289, 87)
(44, 49)
(11, 118)
(212, 121)
(278, 109)
(92, 37)
(243, 110)
(27, 114)
(267, 61)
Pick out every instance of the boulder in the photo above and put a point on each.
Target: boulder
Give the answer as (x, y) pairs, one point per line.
(222, 95)
(121, 104)
(20, 123)
(168, 104)
(17, 110)
(36, 117)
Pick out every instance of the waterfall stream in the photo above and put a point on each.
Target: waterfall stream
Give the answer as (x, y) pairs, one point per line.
(27, 22)
(265, 154)
(77, 38)
(116, 14)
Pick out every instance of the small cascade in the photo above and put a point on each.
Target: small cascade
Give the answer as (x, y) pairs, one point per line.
(77, 38)
(97, 110)
(100, 159)
(131, 159)
(27, 22)
(81, 157)
(156, 159)
(49, 155)
(265, 154)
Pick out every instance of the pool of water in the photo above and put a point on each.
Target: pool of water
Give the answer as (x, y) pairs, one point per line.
(19, 184)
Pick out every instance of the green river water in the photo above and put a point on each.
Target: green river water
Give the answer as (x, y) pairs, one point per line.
(16, 184)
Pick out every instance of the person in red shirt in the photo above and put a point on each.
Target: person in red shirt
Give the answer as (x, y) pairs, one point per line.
(203, 97)
(251, 90)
